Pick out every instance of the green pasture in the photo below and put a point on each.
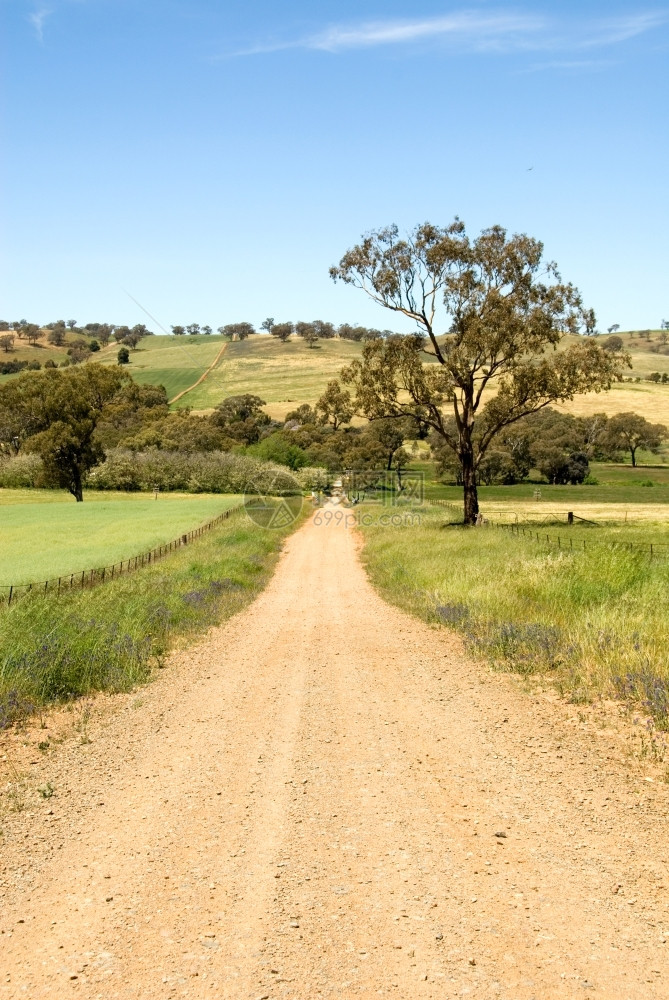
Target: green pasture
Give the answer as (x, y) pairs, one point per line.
(284, 375)
(175, 362)
(645, 486)
(46, 536)
(111, 637)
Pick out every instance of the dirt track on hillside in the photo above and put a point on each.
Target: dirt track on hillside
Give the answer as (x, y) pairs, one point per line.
(325, 798)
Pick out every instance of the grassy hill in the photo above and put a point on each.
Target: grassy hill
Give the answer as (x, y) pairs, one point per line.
(284, 375)
(288, 374)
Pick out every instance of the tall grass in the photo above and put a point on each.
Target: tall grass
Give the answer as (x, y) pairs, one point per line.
(595, 621)
(113, 636)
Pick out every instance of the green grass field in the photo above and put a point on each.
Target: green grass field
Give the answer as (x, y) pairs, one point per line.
(175, 362)
(284, 375)
(620, 494)
(111, 637)
(593, 621)
(51, 536)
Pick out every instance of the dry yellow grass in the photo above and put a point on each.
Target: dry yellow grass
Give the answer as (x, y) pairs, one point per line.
(537, 510)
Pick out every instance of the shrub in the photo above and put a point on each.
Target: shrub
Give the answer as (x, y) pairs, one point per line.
(21, 472)
(199, 472)
(313, 478)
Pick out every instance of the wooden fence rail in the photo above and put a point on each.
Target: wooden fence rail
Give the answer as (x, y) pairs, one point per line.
(651, 549)
(95, 577)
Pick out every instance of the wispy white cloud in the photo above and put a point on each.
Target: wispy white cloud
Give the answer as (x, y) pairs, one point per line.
(622, 29)
(474, 31)
(38, 18)
(477, 29)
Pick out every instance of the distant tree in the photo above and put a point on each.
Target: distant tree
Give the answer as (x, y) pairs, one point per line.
(267, 324)
(4, 325)
(178, 331)
(664, 325)
(79, 352)
(347, 332)
(324, 331)
(663, 337)
(308, 333)
(645, 334)
(401, 461)
(627, 432)
(282, 331)
(390, 435)
(120, 333)
(193, 329)
(614, 328)
(655, 377)
(304, 414)
(335, 406)
(55, 415)
(123, 356)
(590, 322)
(132, 339)
(141, 331)
(7, 342)
(613, 343)
(238, 331)
(206, 330)
(104, 333)
(278, 448)
(71, 323)
(56, 336)
(93, 346)
(31, 332)
(241, 417)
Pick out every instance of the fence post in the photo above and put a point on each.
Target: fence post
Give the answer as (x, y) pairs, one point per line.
(11, 591)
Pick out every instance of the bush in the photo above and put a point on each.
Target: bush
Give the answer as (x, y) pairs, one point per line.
(12, 367)
(21, 472)
(313, 478)
(200, 472)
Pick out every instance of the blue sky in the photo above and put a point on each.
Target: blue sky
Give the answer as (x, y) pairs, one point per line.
(212, 159)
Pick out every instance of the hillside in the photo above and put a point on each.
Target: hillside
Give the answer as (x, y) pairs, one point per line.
(285, 375)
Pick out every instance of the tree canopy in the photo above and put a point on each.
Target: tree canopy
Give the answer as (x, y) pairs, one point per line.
(491, 314)
(55, 414)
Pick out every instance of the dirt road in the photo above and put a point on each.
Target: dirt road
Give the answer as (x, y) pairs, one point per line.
(326, 799)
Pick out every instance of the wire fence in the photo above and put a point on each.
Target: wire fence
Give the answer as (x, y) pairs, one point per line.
(84, 579)
(568, 543)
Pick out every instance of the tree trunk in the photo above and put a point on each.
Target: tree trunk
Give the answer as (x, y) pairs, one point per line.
(471, 506)
(76, 488)
(633, 453)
